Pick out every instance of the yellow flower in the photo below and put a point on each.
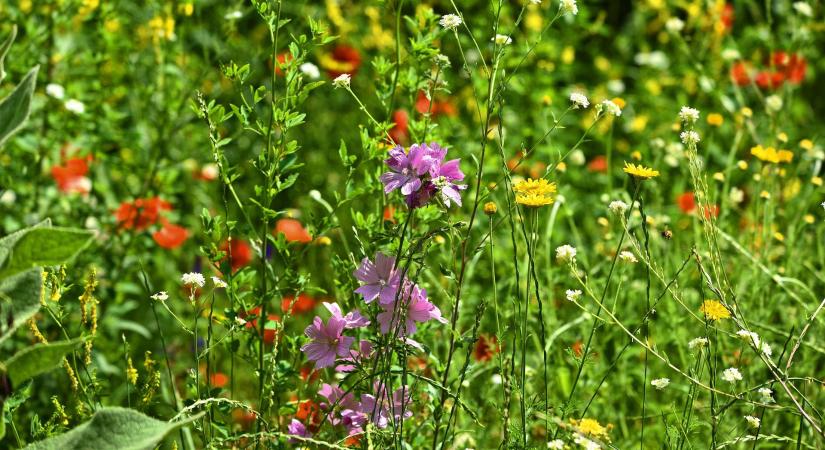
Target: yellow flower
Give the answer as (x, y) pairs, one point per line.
(591, 427)
(809, 218)
(747, 112)
(534, 193)
(779, 236)
(641, 172)
(619, 102)
(806, 144)
(743, 165)
(714, 310)
(715, 119)
(817, 181)
(637, 155)
(782, 136)
(490, 208)
(771, 155)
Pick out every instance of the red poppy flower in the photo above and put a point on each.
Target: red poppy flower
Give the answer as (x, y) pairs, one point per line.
(238, 252)
(485, 348)
(218, 379)
(686, 202)
(400, 133)
(303, 304)
(435, 108)
(727, 16)
(71, 177)
(343, 59)
(598, 164)
(141, 213)
(282, 59)
(769, 80)
(243, 417)
(269, 334)
(711, 211)
(740, 73)
(792, 67)
(170, 236)
(293, 231)
(309, 374)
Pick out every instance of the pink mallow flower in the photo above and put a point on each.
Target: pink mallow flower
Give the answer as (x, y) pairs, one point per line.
(327, 341)
(353, 319)
(413, 306)
(364, 353)
(379, 280)
(377, 407)
(296, 428)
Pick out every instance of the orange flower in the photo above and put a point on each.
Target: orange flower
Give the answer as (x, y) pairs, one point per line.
(141, 213)
(389, 213)
(219, 379)
(400, 133)
(343, 59)
(598, 164)
(686, 202)
(170, 236)
(293, 230)
(238, 252)
(269, 334)
(71, 177)
(303, 304)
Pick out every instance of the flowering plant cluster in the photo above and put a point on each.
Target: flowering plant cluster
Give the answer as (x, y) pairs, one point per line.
(421, 173)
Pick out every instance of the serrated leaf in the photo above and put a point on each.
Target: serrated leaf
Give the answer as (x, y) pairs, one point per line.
(19, 300)
(113, 428)
(37, 360)
(40, 246)
(14, 109)
(4, 50)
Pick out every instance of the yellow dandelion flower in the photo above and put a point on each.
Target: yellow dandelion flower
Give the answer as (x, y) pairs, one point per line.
(619, 102)
(806, 144)
(772, 155)
(715, 119)
(534, 193)
(779, 236)
(714, 310)
(490, 208)
(765, 194)
(782, 136)
(816, 181)
(743, 165)
(591, 427)
(747, 112)
(809, 218)
(637, 155)
(641, 172)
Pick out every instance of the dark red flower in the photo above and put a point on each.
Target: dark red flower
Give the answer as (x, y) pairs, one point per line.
(485, 348)
(740, 73)
(769, 80)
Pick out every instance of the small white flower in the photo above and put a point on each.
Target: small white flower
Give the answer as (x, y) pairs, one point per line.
(617, 207)
(732, 375)
(803, 8)
(577, 158)
(774, 102)
(565, 253)
(660, 383)
(556, 444)
(75, 106)
(233, 15)
(569, 7)
(579, 100)
(240, 321)
(535, 2)
(766, 349)
(690, 137)
(161, 296)
(688, 114)
(310, 70)
(8, 197)
(697, 343)
(192, 279)
(766, 394)
(749, 336)
(736, 195)
(572, 294)
(753, 422)
(585, 443)
(56, 91)
(496, 379)
(442, 60)
(342, 81)
(219, 283)
(450, 21)
(609, 107)
(628, 257)
(731, 54)
(674, 25)
(502, 39)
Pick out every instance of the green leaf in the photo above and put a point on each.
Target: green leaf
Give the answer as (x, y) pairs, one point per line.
(37, 360)
(113, 428)
(19, 300)
(4, 50)
(40, 245)
(14, 109)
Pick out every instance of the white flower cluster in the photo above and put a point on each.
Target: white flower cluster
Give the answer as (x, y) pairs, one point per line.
(450, 21)
(732, 375)
(753, 338)
(502, 39)
(688, 114)
(753, 422)
(803, 8)
(565, 253)
(569, 7)
(161, 296)
(572, 294)
(193, 279)
(219, 283)
(342, 81)
(660, 383)
(579, 100)
(699, 342)
(617, 207)
(628, 257)
(690, 137)
(609, 107)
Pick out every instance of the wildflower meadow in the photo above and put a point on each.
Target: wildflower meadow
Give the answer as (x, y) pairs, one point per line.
(412, 224)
